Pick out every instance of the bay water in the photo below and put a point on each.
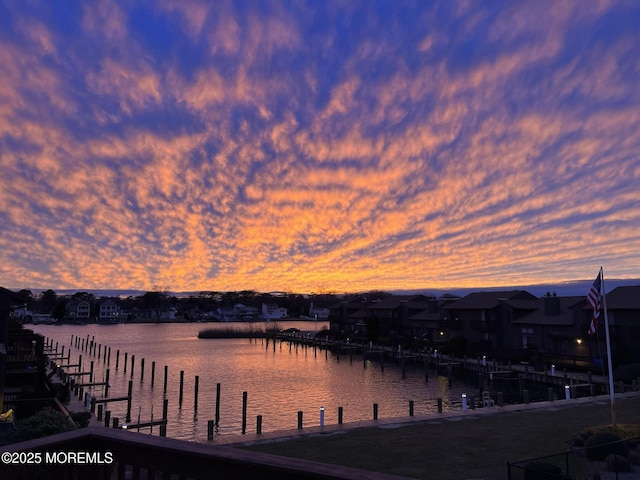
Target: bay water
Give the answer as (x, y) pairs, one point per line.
(279, 382)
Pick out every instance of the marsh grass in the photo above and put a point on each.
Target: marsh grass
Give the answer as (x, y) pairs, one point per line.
(246, 331)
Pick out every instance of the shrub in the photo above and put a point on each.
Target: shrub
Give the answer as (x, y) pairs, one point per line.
(81, 418)
(541, 471)
(617, 463)
(601, 444)
(42, 424)
(456, 346)
(634, 457)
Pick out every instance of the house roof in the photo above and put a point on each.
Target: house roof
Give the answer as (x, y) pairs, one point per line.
(391, 303)
(9, 297)
(624, 298)
(488, 300)
(538, 316)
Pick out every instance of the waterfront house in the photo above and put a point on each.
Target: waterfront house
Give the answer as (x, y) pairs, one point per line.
(623, 310)
(78, 311)
(318, 313)
(109, 311)
(550, 326)
(395, 318)
(480, 317)
(348, 317)
(393, 315)
(272, 311)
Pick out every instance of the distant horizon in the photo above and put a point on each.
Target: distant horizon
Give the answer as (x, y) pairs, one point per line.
(569, 288)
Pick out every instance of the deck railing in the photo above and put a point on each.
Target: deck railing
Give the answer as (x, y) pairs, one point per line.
(101, 453)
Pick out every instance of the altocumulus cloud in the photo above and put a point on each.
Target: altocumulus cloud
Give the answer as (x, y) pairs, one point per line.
(317, 146)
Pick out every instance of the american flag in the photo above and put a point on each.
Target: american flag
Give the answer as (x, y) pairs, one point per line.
(593, 298)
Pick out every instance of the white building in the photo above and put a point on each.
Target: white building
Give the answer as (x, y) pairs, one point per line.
(273, 312)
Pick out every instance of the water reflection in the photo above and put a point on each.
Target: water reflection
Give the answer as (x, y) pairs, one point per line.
(279, 382)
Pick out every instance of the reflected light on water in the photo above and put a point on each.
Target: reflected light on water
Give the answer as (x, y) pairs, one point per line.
(279, 382)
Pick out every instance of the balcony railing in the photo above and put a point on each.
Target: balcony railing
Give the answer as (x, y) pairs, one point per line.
(101, 453)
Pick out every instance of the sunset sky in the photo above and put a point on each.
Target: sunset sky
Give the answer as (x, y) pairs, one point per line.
(320, 146)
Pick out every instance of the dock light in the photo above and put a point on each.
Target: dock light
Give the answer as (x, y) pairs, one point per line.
(124, 426)
(579, 341)
(484, 360)
(567, 392)
(441, 333)
(553, 370)
(464, 401)
(322, 416)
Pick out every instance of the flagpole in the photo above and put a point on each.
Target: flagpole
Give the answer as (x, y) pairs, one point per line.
(606, 329)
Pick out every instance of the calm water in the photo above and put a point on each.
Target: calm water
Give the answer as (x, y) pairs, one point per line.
(278, 383)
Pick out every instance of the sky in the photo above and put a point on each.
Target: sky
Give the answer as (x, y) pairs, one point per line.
(318, 146)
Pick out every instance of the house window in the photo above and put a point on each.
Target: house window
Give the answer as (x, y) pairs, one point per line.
(527, 335)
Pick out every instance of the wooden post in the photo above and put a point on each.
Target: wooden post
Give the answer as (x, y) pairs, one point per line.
(181, 389)
(411, 408)
(153, 373)
(218, 401)
(129, 393)
(117, 358)
(91, 373)
(166, 372)
(210, 430)
(165, 415)
(107, 418)
(133, 362)
(106, 384)
(439, 405)
(141, 370)
(125, 362)
(299, 419)
(340, 414)
(195, 394)
(244, 412)
(259, 425)
(375, 411)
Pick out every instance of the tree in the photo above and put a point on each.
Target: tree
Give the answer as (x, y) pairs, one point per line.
(58, 309)
(49, 298)
(27, 294)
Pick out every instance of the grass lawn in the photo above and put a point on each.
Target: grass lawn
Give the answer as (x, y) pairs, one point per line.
(464, 448)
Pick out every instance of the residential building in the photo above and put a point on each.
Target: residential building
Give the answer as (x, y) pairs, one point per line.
(109, 312)
(272, 311)
(78, 311)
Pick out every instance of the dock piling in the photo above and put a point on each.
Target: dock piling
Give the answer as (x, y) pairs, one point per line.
(218, 402)
(244, 412)
(195, 393)
(181, 389)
